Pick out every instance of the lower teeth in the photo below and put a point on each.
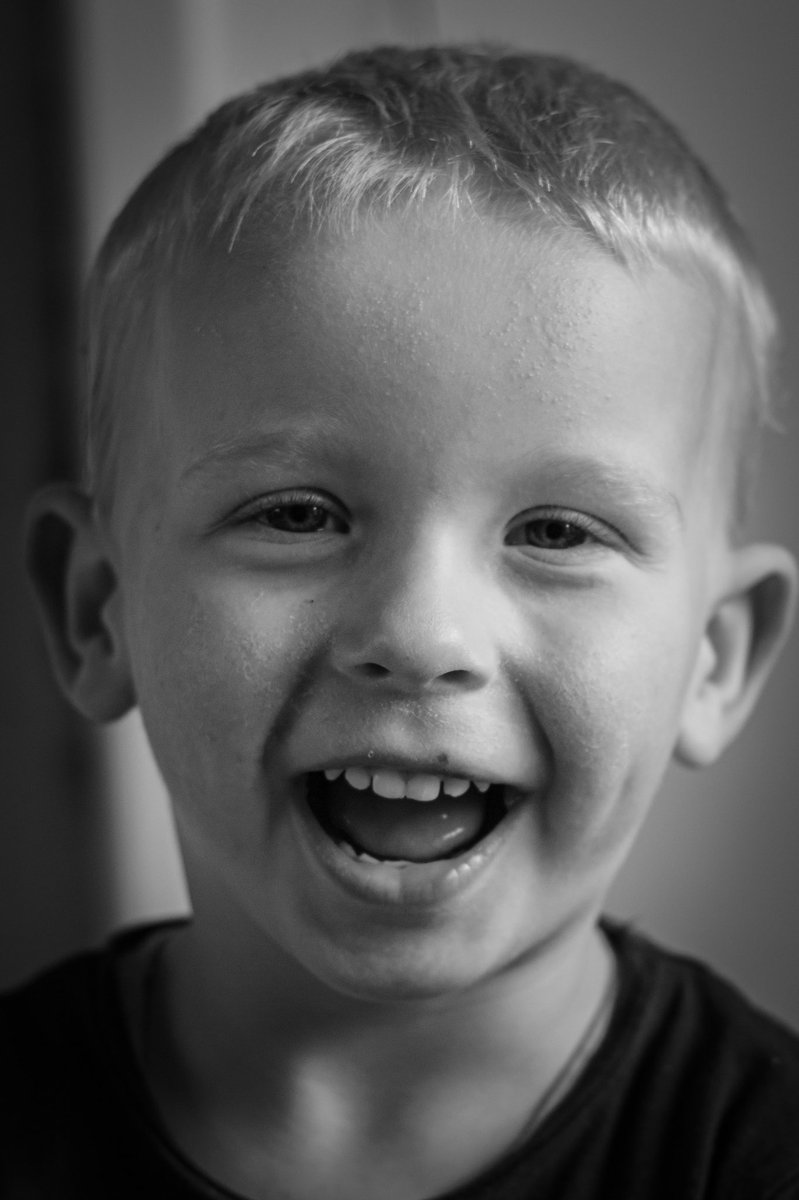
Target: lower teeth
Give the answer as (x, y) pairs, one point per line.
(364, 856)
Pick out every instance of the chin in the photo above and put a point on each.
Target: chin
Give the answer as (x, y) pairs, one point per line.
(399, 979)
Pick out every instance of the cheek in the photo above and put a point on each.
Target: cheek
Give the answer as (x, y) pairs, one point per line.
(217, 668)
(614, 694)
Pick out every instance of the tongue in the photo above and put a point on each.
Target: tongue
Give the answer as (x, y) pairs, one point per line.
(413, 830)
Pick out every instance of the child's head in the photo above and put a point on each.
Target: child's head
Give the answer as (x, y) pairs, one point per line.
(529, 141)
(417, 388)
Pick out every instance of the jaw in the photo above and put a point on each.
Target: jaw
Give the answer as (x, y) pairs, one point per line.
(385, 931)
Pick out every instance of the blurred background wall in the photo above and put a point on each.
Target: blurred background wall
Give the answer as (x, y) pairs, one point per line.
(717, 869)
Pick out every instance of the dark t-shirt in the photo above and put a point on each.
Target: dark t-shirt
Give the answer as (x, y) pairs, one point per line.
(693, 1093)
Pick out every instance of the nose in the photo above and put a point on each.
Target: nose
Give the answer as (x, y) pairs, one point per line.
(421, 620)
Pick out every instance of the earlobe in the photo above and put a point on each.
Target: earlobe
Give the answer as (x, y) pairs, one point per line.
(76, 590)
(740, 645)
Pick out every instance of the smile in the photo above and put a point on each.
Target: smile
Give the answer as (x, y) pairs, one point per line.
(381, 816)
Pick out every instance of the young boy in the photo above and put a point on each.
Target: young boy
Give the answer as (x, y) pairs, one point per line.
(421, 388)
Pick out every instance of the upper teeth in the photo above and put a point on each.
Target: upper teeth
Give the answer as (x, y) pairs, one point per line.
(397, 785)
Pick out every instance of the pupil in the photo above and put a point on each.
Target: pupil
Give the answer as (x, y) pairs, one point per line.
(298, 518)
(556, 534)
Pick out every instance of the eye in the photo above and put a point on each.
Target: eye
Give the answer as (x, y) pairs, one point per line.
(294, 515)
(552, 533)
(558, 532)
(297, 518)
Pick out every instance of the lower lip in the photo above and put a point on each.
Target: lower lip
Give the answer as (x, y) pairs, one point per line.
(412, 885)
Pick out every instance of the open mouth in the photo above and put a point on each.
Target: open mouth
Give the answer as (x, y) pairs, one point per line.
(383, 815)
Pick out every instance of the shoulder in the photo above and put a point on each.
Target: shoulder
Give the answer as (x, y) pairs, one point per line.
(704, 1011)
(727, 1073)
(75, 1117)
(71, 1009)
(47, 1068)
(43, 1017)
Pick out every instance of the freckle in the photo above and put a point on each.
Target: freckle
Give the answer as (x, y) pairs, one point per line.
(443, 758)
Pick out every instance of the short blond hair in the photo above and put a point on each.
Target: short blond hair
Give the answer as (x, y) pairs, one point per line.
(515, 134)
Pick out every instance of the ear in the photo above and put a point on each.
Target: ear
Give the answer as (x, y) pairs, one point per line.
(740, 645)
(76, 589)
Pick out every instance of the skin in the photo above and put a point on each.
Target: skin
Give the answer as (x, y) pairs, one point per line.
(507, 450)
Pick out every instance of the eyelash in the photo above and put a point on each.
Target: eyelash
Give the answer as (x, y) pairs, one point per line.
(589, 531)
(593, 533)
(256, 513)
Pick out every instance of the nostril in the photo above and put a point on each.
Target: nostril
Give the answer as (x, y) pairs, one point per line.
(376, 671)
(457, 677)
(373, 670)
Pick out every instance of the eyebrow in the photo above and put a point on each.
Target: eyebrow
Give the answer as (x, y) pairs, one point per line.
(280, 446)
(616, 480)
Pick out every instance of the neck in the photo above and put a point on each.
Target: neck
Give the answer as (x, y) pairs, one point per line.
(282, 1054)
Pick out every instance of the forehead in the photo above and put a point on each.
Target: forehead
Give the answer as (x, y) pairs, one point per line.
(467, 324)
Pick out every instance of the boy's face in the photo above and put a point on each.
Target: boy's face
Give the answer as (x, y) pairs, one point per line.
(441, 499)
